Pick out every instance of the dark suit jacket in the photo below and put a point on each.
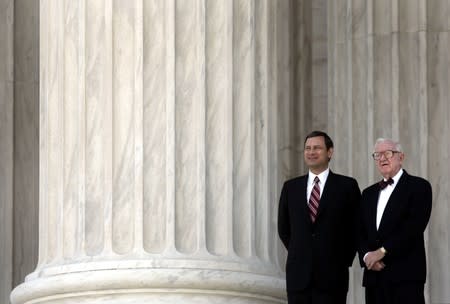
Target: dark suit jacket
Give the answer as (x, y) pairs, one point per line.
(323, 251)
(400, 232)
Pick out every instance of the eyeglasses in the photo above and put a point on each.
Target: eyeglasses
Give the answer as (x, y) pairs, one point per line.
(314, 149)
(387, 154)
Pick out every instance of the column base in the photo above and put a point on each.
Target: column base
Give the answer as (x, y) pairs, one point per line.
(87, 284)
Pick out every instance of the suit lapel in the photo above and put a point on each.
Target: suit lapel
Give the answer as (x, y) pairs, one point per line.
(327, 190)
(303, 201)
(372, 208)
(394, 197)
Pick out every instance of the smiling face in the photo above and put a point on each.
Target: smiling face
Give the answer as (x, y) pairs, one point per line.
(316, 154)
(388, 167)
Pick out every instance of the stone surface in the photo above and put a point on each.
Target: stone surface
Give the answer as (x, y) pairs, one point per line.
(168, 128)
(6, 147)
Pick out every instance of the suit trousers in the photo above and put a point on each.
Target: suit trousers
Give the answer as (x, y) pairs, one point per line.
(389, 293)
(316, 296)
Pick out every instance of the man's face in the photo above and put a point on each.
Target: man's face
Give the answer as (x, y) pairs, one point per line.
(388, 167)
(316, 154)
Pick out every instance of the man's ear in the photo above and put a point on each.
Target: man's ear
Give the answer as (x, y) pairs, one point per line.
(330, 153)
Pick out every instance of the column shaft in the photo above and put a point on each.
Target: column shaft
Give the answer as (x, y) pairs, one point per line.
(155, 136)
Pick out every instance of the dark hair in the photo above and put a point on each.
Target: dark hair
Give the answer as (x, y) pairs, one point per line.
(328, 141)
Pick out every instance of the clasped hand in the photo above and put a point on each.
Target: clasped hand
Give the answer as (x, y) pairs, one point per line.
(373, 260)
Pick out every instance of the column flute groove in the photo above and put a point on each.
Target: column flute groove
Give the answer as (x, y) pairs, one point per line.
(138, 244)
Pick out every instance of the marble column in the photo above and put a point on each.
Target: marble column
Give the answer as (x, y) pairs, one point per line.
(157, 126)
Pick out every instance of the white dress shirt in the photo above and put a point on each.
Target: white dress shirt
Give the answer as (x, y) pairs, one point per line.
(384, 196)
(322, 177)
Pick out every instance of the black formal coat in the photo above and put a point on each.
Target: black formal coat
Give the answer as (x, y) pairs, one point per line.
(319, 252)
(400, 232)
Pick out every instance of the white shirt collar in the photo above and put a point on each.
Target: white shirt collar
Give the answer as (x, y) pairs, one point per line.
(396, 177)
(322, 176)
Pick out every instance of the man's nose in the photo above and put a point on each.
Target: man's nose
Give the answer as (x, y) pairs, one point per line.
(383, 156)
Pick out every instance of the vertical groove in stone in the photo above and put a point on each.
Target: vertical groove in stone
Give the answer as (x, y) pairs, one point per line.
(261, 207)
(284, 89)
(281, 110)
(393, 130)
(409, 86)
(189, 98)
(108, 125)
(97, 54)
(362, 172)
(123, 135)
(155, 128)
(81, 135)
(71, 121)
(358, 73)
(376, 11)
(43, 128)
(138, 115)
(54, 109)
(243, 127)
(200, 130)
(333, 33)
(272, 134)
(319, 64)
(383, 74)
(343, 26)
(170, 95)
(301, 14)
(219, 86)
(422, 108)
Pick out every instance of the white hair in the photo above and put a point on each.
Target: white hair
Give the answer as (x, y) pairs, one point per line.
(396, 144)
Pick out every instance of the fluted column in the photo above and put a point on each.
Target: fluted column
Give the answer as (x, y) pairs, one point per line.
(157, 168)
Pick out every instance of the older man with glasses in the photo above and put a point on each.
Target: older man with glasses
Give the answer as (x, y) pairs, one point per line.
(393, 218)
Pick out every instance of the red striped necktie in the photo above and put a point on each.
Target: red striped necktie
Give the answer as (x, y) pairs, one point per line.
(314, 199)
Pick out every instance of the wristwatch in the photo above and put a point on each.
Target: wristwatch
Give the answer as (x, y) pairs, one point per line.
(383, 250)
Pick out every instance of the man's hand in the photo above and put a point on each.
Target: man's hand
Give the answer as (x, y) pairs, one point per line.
(378, 266)
(374, 257)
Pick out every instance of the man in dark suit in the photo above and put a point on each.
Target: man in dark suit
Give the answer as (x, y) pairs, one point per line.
(394, 215)
(317, 216)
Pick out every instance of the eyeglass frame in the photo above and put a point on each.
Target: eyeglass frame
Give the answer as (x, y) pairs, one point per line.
(377, 158)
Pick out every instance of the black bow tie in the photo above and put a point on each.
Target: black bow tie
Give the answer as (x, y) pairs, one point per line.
(383, 184)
